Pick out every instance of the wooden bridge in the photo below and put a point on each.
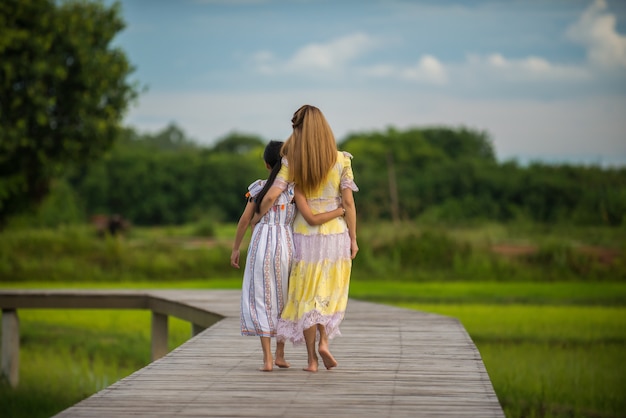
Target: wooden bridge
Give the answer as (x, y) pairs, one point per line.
(392, 363)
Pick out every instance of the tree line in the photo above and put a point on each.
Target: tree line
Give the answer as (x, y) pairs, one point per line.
(440, 174)
(452, 174)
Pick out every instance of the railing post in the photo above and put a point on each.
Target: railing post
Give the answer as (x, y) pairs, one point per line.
(10, 346)
(159, 335)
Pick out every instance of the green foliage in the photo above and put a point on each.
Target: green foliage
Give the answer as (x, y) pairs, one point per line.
(409, 252)
(236, 143)
(205, 228)
(414, 252)
(375, 154)
(461, 143)
(172, 138)
(164, 179)
(78, 254)
(451, 175)
(60, 207)
(428, 250)
(63, 92)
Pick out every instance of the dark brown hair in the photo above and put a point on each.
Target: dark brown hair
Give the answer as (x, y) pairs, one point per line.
(272, 157)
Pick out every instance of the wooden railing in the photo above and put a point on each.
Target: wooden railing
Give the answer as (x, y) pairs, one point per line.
(12, 300)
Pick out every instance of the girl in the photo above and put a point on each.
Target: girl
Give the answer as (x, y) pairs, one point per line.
(268, 263)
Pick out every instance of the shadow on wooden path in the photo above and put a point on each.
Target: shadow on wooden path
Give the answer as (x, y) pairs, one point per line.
(392, 363)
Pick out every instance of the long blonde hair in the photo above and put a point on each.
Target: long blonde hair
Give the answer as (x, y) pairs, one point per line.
(311, 149)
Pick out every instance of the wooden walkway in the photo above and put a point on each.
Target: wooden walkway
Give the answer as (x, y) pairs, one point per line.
(392, 363)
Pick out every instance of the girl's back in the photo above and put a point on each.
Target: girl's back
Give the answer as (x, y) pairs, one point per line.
(282, 211)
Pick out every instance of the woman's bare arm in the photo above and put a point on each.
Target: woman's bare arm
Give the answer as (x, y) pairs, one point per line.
(309, 216)
(350, 207)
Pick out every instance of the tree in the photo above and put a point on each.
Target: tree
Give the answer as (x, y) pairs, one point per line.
(63, 93)
(461, 143)
(172, 138)
(237, 143)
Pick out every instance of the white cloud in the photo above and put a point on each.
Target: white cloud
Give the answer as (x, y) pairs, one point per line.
(330, 57)
(428, 69)
(333, 55)
(338, 59)
(531, 68)
(596, 30)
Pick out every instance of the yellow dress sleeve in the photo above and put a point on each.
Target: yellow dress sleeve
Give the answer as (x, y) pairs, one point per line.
(347, 176)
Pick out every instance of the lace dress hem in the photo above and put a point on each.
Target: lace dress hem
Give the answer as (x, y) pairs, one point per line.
(293, 330)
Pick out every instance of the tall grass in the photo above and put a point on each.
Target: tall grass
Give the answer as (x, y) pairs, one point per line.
(420, 253)
(77, 254)
(409, 252)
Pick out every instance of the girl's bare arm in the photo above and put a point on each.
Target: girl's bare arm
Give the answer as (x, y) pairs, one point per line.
(242, 227)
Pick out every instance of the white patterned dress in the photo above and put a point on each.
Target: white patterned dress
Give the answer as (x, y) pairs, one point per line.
(268, 264)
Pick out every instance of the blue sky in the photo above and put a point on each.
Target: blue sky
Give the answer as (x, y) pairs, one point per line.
(545, 78)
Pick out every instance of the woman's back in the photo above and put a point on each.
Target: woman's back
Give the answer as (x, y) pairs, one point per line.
(327, 197)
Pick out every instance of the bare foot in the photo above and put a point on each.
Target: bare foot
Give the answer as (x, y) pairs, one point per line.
(282, 363)
(327, 357)
(312, 367)
(267, 366)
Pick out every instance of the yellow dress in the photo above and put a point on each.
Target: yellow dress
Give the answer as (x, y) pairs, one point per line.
(321, 266)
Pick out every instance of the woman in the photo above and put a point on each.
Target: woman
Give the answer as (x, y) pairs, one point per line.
(322, 263)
